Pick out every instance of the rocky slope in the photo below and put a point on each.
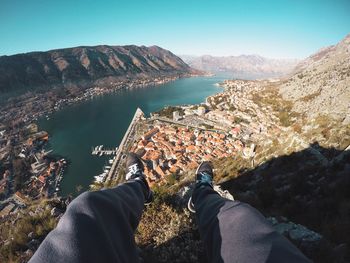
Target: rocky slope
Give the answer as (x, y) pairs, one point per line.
(87, 64)
(243, 66)
(321, 83)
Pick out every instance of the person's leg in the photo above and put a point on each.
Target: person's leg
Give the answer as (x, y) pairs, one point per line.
(207, 204)
(235, 232)
(99, 226)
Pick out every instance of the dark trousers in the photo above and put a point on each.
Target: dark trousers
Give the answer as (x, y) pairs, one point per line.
(99, 227)
(236, 232)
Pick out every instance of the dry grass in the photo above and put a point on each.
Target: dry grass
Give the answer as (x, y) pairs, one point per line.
(15, 232)
(282, 108)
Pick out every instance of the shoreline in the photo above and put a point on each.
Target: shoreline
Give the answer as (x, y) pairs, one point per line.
(97, 91)
(19, 114)
(113, 176)
(13, 108)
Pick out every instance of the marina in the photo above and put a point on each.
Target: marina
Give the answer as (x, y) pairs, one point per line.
(100, 178)
(99, 150)
(59, 177)
(77, 129)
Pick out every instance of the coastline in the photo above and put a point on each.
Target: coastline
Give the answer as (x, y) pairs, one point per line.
(113, 176)
(15, 111)
(19, 114)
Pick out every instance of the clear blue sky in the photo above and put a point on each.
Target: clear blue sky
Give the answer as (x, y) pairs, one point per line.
(285, 28)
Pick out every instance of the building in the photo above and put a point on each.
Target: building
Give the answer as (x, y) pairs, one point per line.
(32, 128)
(188, 112)
(19, 197)
(7, 210)
(201, 110)
(38, 167)
(41, 136)
(176, 116)
(148, 135)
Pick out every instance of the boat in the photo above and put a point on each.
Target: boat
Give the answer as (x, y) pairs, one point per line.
(99, 180)
(98, 176)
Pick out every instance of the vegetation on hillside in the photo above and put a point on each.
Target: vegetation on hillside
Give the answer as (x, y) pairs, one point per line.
(168, 111)
(23, 232)
(167, 231)
(270, 97)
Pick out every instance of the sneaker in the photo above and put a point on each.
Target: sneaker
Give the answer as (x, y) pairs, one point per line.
(134, 167)
(204, 176)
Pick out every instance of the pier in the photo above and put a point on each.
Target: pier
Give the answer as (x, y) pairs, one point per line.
(99, 150)
(113, 172)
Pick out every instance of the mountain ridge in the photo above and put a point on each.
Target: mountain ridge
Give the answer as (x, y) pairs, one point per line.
(320, 84)
(86, 63)
(242, 66)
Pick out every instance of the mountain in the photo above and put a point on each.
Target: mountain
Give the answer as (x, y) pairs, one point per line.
(87, 64)
(243, 66)
(321, 83)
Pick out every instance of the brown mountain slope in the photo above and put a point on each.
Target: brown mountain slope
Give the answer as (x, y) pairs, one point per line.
(63, 66)
(321, 84)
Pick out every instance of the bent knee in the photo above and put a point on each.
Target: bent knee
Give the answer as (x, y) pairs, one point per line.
(83, 200)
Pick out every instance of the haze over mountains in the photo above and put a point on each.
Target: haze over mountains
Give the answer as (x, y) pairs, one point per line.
(87, 64)
(243, 66)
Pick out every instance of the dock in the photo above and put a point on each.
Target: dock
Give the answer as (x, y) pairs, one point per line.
(113, 172)
(99, 150)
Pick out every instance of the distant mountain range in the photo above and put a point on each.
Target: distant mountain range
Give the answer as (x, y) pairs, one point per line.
(321, 83)
(87, 64)
(243, 66)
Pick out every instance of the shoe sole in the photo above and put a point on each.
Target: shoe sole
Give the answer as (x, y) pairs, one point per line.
(190, 206)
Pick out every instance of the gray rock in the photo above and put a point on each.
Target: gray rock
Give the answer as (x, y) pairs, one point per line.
(223, 193)
(185, 192)
(302, 233)
(31, 235)
(295, 232)
(28, 252)
(283, 228)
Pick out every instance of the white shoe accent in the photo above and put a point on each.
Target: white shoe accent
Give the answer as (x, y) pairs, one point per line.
(190, 206)
(223, 193)
(198, 167)
(133, 169)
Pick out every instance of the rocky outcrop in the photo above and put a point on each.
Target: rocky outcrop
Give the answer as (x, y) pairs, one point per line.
(321, 83)
(243, 66)
(86, 64)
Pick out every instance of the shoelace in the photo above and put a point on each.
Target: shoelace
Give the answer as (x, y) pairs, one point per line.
(133, 169)
(205, 178)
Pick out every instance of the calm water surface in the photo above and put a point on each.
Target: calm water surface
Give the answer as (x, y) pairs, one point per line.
(104, 120)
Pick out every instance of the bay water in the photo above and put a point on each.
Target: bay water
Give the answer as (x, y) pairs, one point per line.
(104, 119)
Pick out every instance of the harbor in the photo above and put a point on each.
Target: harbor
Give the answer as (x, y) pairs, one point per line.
(128, 137)
(100, 178)
(110, 170)
(99, 150)
(75, 130)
